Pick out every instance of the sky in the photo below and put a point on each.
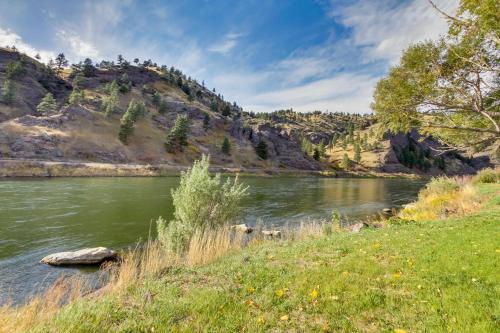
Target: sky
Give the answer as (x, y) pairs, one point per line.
(266, 55)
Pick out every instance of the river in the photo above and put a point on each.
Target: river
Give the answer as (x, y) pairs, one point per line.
(42, 216)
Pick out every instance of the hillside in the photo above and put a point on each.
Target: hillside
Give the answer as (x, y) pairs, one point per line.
(83, 132)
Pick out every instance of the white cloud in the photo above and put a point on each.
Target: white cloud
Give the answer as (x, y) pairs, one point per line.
(227, 44)
(76, 46)
(384, 28)
(9, 38)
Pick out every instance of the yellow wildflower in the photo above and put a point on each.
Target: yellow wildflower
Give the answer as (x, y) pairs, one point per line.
(314, 294)
(284, 318)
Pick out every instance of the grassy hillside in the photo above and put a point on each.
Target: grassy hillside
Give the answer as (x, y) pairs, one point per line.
(82, 132)
(430, 275)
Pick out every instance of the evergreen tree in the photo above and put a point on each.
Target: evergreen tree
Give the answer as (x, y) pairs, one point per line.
(226, 146)
(78, 81)
(14, 69)
(162, 108)
(60, 62)
(335, 138)
(357, 153)
(134, 111)
(306, 146)
(316, 154)
(206, 121)
(47, 105)
(125, 83)
(261, 149)
(226, 110)
(111, 102)
(346, 162)
(177, 137)
(214, 106)
(8, 92)
(88, 68)
(322, 148)
(126, 126)
(156, 99)
(77, 97)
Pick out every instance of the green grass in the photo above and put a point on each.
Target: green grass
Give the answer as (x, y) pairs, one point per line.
(435, 276)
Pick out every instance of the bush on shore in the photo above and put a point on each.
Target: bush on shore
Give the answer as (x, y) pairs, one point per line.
(201, 201)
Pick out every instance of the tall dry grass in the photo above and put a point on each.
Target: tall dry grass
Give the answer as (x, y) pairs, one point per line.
(140, 264)
(443, 197)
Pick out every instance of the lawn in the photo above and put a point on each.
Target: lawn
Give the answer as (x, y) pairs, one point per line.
(434, 276)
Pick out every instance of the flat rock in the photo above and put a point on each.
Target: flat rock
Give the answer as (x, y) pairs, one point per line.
(355, 228)
(89, 256)
(242, 227)
(271, 233)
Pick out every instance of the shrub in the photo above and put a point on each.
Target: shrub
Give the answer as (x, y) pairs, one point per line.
(226, 146)
(14, 69)
(440, 185)
(134, 111)
(8, 92)
(201, 202)
(487, 176)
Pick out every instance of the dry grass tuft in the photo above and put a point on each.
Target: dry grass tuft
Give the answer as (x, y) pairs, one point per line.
(443, 197)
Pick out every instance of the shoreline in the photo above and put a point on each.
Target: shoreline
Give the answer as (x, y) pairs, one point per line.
(17, 168)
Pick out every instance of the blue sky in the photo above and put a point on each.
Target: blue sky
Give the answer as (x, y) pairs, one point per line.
(266, 55)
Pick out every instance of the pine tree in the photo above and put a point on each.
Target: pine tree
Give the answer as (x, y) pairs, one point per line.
(177, 137)
(226, 110)
(357, 153)
(134, 111)
(316, 154)
(206, 121)
(126, 126)
(226, 146)
(156, 99)
(77, 97)
(214, 106)
(162, 108)
(88, 68)
(8, 92)
(47, 105)
(335, 138)
(322, 148)
(346, 162)
(261, 149)
(78, 81)
(60, 63)
(111, 101)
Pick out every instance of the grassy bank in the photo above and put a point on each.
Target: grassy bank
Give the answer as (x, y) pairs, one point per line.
(421, 275)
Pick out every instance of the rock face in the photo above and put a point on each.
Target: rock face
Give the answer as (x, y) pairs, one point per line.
(90, 256)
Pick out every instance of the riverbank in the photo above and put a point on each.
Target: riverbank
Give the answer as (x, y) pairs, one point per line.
(13, 168)
(437, 275)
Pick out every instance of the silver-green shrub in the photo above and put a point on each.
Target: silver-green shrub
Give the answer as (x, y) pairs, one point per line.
(201, 201)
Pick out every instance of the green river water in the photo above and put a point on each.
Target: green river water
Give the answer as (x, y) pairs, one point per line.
(42, 216)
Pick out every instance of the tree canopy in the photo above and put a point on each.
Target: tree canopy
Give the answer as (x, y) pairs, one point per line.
(449, 88)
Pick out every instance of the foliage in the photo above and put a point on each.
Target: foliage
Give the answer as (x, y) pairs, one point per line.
(78, 81)
(487, 176)
(8, 92)
(226, 146)
(124, 83)
(111, 102)
(226, 110)
(127, 122)
(261, 149)
(306, 146)
(47, 105)
(156, 99)
(322, 148)
(206, 121)
(316, 154)
(427, 277)
(448, 88)
(14, 69)
(60, 63)
(357, 153)
(201, 201)
(346, 162)
(177, 137)
(77, 97)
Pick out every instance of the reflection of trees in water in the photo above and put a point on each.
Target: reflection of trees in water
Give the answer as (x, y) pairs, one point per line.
(344, 193)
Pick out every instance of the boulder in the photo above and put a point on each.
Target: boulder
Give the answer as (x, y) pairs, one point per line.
(387, 210)
(272, 233)
(89, 256)
(243, 228)
(355, 228)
